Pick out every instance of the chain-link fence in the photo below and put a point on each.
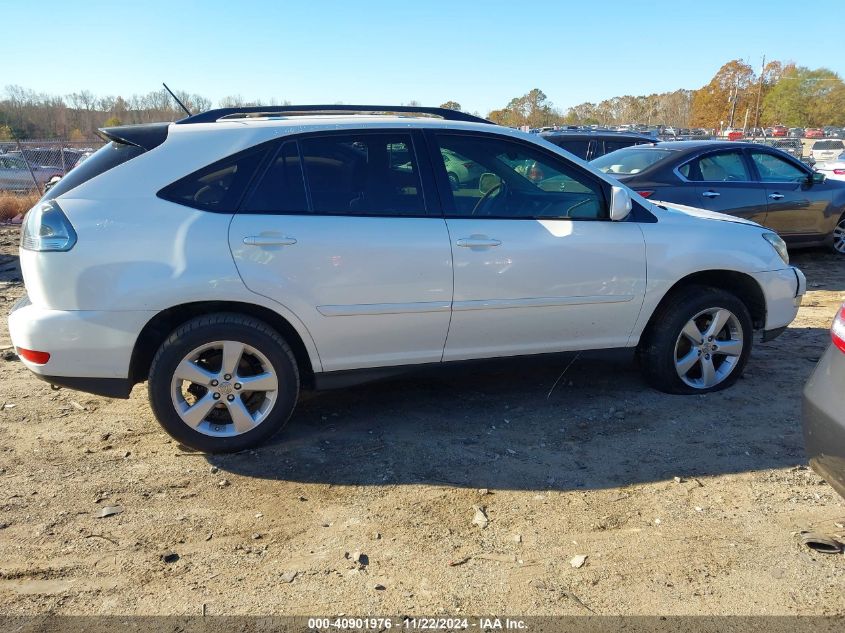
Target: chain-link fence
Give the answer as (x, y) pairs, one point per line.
(27, 167)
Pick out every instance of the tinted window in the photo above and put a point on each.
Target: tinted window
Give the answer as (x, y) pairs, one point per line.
(722, 167)
(495, 177)
(282, 188)
(107, 157)
(573, 146)
(828, 145)
(776, 169)
(631, 160)
(362, 174)
(218, 187)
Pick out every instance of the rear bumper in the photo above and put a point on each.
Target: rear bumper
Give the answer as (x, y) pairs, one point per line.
(93, 344)
(823, 418)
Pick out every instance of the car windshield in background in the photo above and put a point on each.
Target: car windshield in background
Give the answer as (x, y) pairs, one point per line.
(630, 160)
(828, 145)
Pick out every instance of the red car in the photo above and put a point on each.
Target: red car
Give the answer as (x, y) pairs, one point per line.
(813, 132)
(779, 130)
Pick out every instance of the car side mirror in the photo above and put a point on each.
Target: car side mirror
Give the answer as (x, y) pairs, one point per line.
(817, 178)
(620, 203)
(487, 182)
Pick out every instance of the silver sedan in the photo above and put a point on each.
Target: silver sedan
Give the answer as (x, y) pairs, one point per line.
(824, 410)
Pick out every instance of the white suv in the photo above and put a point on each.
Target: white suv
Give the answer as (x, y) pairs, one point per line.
(234, 257)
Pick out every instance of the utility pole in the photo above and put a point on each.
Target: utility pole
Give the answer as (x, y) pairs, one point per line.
(759, 92)
(733, 99)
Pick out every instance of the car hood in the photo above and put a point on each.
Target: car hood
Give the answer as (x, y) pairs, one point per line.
(695, 212)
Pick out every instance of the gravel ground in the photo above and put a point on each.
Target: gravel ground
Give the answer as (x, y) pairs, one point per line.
(365, 503)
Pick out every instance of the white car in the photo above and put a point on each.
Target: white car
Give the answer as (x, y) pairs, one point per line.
(826, 150)
(240, 255)
(833, 169)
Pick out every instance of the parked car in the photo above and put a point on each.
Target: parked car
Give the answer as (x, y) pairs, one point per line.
(796, 132)
(15, 175)
(828, 149)
(64, 159)
(792, 146)
(832, 132)
(589, 145)
(779, 131)
(833, 169)
(747, 180)
(823, 412)
(460, 171)
(813, 132)
(231, 260)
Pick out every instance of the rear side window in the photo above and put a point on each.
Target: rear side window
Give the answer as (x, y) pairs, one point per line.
(577, 147)
(362, 174)
(107, 157)
(218, 187)
(722, 167)
(282, 187)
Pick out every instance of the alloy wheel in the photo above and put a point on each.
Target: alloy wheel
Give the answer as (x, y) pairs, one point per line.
(708, 348)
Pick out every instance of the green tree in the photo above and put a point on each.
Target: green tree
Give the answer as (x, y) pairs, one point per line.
(804, 97)
(112, 122)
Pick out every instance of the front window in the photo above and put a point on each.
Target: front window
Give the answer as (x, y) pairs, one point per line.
(496, 177)
(630, 160)
(775, 169)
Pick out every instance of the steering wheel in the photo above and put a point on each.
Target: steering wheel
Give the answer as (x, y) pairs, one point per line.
(501, 187)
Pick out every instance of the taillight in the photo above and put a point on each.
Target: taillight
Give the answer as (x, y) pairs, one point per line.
(47, 228)
(646, 194)
(39, 358)
(839, 172)
(837, 330)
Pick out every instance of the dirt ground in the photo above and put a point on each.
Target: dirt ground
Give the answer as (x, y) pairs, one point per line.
(682, 505)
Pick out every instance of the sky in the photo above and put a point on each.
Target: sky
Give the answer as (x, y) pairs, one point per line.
(480, 54)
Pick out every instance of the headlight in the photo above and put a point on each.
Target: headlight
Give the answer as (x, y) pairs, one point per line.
(46, 228)
(778, 244)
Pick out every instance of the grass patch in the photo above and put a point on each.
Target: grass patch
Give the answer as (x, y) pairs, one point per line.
(11, 204)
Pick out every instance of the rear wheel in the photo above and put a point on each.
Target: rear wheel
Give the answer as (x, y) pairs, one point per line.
(698, 342)
(223, 383)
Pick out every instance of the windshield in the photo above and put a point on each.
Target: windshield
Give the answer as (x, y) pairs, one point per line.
(629, 160)
(828, 145)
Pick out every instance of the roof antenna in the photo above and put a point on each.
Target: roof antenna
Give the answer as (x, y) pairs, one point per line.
(176, 99)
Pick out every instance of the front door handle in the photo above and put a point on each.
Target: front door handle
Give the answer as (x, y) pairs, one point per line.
(269, 240)
(711, 194)
(478, 242)
(776, 196)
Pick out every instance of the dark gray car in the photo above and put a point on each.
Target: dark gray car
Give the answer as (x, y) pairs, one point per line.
(824, 410)
(16, 176)
(748, 180)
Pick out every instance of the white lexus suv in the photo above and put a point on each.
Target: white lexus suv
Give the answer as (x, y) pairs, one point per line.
(237, 256)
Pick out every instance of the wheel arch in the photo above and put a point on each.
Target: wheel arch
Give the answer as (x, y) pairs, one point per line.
(162, 324)
(741, 285)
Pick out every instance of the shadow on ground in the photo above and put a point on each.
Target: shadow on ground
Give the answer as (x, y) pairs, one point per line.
(504, 426)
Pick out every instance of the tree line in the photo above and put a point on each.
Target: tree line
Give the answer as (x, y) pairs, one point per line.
(781, 93)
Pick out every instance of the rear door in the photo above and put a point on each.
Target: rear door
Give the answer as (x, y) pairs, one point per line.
(725, 183)
(796, 205)
(357, 253)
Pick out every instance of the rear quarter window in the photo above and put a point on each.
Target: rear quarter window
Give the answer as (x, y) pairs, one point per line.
(107, 157)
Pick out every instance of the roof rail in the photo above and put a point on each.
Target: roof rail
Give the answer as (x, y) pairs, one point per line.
(210, 116)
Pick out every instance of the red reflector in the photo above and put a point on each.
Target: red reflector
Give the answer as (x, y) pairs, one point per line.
(645, 194)
(39, 358)
(837, 330)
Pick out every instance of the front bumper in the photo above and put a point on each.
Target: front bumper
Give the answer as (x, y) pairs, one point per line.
(783, 290)
(86, 347)
(823, 418)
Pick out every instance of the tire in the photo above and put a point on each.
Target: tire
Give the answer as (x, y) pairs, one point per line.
(837, 238)
(201, 405)
(667, 350)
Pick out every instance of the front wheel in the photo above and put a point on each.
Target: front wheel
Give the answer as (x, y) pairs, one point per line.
(838, 237)
(223, 383)
(699, 342)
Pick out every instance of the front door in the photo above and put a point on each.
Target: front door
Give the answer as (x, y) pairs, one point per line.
(538, 266)
(338, 230)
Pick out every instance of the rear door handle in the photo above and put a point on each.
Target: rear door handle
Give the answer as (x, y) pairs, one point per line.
(269, 240)
(776, 196)
(478, 242)
(711, 194)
